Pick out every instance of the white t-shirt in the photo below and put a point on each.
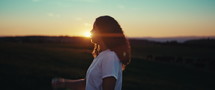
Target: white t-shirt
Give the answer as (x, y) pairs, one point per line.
(106, 64)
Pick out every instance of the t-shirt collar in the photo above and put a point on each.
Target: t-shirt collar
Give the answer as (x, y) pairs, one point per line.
(104, 51)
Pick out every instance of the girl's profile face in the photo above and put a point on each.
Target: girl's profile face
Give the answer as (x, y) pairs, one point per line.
(95, 34)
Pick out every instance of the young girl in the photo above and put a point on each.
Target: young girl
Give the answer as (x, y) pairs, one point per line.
(111, 55)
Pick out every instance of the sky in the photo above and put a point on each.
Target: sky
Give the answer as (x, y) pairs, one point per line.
(138, 18)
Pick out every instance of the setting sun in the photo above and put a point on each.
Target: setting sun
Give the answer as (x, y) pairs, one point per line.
(87, 34)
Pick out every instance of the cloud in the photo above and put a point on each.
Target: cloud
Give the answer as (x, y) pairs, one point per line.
(36, 0)
(87, 0)
(121, 6)
(78, 18)
(53, 15)
(90, 0)
(87, 25)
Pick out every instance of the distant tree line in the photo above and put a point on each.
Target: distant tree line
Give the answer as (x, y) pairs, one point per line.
(82, 42)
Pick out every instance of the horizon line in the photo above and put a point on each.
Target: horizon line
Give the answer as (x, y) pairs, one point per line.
(191, 36)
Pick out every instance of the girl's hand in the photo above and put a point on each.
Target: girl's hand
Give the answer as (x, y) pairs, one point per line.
(58, 83)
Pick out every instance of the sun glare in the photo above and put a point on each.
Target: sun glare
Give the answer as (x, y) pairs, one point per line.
(87, 34)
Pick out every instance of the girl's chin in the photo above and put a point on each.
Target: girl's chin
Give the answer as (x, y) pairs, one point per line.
(92, 41)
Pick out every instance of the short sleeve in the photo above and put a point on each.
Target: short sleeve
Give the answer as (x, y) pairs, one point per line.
(110, 66)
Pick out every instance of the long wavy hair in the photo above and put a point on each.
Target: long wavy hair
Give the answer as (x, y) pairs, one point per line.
(113, 37)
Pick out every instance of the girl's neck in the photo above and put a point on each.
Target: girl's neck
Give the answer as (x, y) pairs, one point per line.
(102, 47)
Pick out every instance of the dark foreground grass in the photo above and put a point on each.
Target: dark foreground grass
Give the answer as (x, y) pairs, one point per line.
(31, 66)
(147, 75)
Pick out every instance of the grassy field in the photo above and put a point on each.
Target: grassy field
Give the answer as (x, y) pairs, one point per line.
(31, 66)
